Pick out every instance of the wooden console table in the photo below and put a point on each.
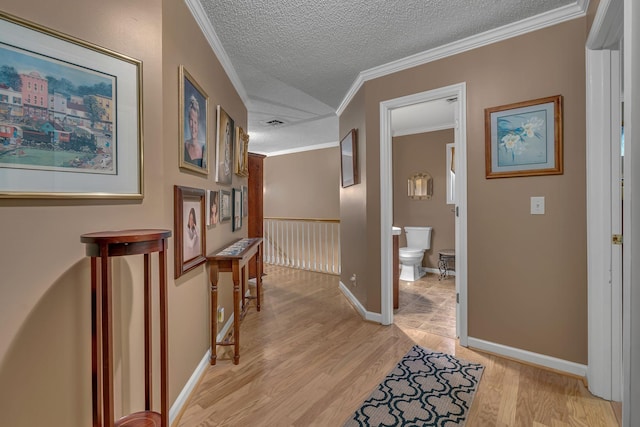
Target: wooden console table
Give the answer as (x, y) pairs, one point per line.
(233, 258)
(103, 246)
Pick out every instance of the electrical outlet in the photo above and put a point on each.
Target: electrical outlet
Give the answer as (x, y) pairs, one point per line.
(354, 280)
(220, 314)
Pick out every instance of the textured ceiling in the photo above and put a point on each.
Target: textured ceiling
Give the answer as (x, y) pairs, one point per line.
(298, 59)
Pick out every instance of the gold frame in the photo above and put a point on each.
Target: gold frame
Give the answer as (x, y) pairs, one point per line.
(183, 75)
(28, 33)
(241, 153)
(553, 137)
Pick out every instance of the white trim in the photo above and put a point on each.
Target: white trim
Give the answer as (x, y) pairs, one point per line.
(199, 14)
(299, 149)
(631, 215)
(535, 23)
(367, 315)
(606, 30)
(423, 129)
(603, 269)
(386, 199)
(599, 221)
(529, 357)
(182, 398)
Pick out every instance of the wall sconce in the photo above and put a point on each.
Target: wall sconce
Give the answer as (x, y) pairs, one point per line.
(420, 186)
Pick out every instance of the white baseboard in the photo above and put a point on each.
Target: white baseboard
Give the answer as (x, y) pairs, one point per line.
(529, 357)
(368, 315)
(181, 400)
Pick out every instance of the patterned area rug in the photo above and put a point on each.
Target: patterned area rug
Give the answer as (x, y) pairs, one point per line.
(426, 388)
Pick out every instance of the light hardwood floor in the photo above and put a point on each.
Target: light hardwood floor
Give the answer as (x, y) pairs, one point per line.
(308, 359)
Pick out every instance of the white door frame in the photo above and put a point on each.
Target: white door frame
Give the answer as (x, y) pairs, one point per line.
(604, 262)
(386, 199)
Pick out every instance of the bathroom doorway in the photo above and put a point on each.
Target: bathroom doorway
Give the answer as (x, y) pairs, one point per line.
(427, 298)
(457, 92)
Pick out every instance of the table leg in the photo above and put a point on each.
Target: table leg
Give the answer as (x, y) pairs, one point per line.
(258, 275)
(237, 313)
(107, 339)
(95, 343)
(213, 277)
(148, 399)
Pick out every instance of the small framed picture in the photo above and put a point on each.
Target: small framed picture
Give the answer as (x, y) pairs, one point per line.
(225, 205)
(241, 167)
(225, 141)
(237, 210)
(349, 159)
(194, 129)
(213, 204)
(524, 139)
(189, 220)
(245, 201)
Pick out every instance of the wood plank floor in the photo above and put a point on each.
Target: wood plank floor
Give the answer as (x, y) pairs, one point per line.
(308, 359)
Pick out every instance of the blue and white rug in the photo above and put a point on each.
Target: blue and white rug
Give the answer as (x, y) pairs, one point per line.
(426, 388)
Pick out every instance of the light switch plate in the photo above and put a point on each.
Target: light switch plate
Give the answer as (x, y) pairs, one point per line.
(537, 206)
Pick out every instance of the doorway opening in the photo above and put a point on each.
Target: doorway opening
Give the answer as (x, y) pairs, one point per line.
(458, 92)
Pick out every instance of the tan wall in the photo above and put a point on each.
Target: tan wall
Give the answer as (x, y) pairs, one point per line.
(353, 207)
(183, 43)
(425, 152)
(303, 185)
(44, 309)
(526, 274)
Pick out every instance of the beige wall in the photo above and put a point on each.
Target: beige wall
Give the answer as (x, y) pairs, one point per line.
(44, 309)
(425, 152)
(353, 206)
(303, 185)
(183, 43)
(526, 274)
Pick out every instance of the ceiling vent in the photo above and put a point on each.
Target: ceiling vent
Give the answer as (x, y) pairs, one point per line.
(274, 122)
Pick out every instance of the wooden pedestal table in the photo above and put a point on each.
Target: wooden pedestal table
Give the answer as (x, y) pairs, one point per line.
(102, 246)
(233, 259)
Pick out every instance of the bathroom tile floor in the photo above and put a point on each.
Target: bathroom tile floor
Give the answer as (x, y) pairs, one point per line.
(428, 304)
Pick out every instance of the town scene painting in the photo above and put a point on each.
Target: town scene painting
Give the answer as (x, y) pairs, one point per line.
(55, 115)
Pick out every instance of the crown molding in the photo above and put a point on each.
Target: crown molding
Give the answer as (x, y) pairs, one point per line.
(298, 149)
(199, 14)
(538, 22)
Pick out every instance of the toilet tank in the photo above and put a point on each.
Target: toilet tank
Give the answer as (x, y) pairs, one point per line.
(418, 237)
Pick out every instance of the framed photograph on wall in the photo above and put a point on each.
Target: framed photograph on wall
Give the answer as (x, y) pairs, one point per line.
(349, 158)
(237, 210)
(241, 163)
(225, 140)
(70, 116)
(524, 139)
(193, 124)
(213, 206)
(225, 205)
(189, 220)
(245, 201)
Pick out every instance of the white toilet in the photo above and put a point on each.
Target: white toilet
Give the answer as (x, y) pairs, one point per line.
(418, 240)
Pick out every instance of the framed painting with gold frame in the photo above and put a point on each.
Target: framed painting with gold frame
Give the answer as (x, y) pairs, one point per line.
(241, 162)
(524, 139)
(193, 124)
(73, 122)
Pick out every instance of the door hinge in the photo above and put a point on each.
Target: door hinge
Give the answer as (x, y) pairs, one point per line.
(457, 298)
(616, 239)
(457, 211)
